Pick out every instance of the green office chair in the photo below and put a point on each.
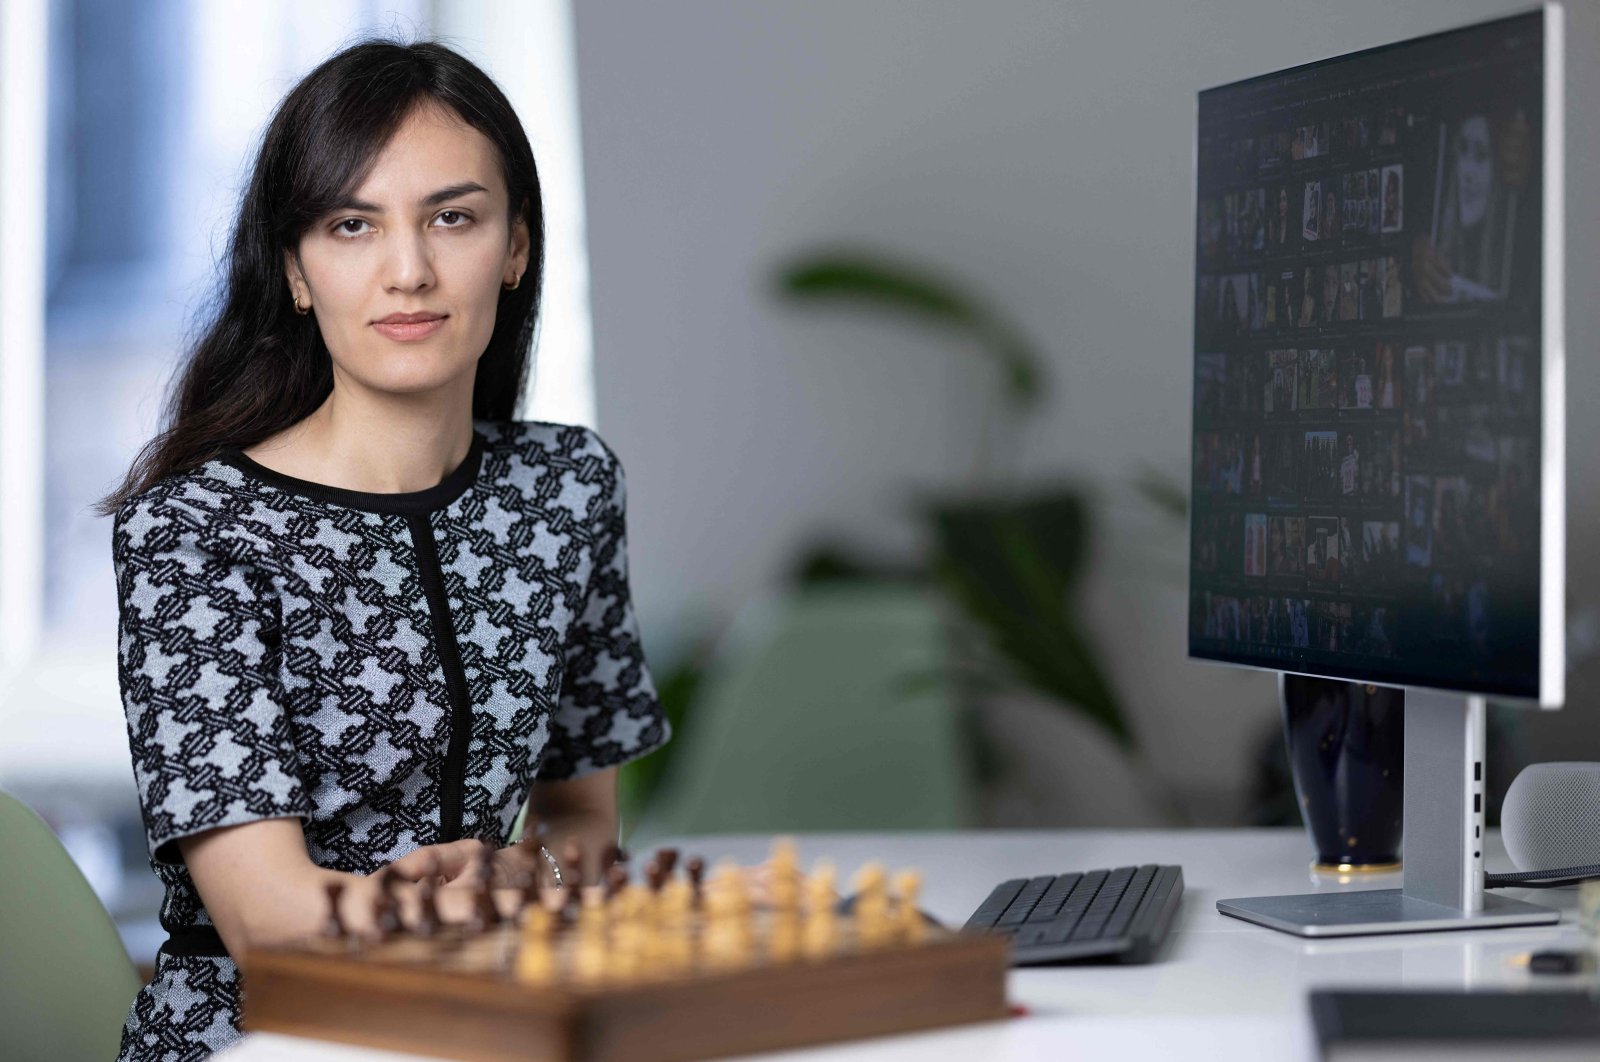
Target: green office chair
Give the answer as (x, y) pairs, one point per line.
(66, 981)
(822, 711)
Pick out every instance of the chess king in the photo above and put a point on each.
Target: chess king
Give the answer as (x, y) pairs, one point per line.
(365, 613)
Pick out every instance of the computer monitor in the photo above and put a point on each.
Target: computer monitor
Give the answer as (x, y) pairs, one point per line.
(1378, 451)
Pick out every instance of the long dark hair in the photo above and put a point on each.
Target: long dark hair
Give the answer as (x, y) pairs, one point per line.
(258, 366)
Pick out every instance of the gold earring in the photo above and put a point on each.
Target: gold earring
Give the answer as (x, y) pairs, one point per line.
(298, 309)
(515, 282)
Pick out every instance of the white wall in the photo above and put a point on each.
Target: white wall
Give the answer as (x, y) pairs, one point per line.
(1043, 151)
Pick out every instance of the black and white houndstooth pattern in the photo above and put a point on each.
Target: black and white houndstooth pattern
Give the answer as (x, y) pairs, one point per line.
(278, 656)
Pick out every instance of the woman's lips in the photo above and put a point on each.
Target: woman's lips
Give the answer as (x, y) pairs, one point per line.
(406, 331)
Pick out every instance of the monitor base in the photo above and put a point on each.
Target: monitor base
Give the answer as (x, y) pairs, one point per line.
(1376, 911)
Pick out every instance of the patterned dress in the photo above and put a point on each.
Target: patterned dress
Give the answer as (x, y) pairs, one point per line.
(392, 669)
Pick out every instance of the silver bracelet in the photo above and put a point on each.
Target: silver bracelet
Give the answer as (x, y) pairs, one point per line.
(555, 868)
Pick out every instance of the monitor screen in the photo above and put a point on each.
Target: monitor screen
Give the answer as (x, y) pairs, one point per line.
(1368, 365)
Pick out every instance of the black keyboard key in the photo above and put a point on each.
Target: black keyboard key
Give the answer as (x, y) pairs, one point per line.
(1122, 917)
(990, 910)
(1025, 902)
(1088, 929)
(1056, 895)
(1083, 895)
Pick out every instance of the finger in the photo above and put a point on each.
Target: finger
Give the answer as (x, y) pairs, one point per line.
(445, 860)
(458, 857)
(412, 866)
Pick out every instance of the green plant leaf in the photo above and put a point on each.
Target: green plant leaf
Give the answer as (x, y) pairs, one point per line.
(1013, 566)
(845, 276)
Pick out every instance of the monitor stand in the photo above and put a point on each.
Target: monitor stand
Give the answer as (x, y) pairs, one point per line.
(1443, 839)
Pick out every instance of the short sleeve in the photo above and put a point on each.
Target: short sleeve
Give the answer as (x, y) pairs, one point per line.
(197, 651)
(608, 712)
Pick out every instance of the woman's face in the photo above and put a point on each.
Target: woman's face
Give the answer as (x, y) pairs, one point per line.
(426, 232)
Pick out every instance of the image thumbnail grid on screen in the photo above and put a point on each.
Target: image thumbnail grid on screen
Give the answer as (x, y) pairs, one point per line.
(1367, 379)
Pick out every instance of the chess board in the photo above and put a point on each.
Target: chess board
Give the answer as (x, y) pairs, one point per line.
(634, 977)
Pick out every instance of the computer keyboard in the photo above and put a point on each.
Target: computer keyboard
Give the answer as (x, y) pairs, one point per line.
(1120, 915)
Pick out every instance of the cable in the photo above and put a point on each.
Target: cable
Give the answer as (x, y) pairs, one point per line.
(1542, 879)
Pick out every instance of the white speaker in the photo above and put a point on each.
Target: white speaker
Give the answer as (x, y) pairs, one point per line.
(1551, 816)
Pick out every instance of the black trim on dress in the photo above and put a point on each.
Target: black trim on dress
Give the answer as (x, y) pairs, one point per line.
(441, 494)
(452, 780)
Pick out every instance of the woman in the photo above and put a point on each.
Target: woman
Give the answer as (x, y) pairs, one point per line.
(364, 614)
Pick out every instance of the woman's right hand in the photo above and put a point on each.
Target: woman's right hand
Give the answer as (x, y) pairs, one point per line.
(446, 862)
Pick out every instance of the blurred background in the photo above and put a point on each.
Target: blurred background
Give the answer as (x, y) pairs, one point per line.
(885, 306)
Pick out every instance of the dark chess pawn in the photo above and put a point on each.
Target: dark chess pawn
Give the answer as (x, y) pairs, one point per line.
(616, 880)
(697, 872)
(613, 855)
(333, 925)
(654, 877)
(386, 910)
(428, 920)
(667, 860)
(485, 915)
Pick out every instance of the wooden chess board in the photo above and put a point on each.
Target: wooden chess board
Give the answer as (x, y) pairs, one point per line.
(634, 978)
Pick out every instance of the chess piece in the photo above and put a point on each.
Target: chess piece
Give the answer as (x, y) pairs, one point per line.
(333, 925)
(820, 888)
(697, 871)
(784, 873)
(428, 920)
(571, 900)
(485, 915)
(386, 909)
(616, 878)
(593, 912)
(667, 860)
(872, 923)
(654, 877)
(536, 958)
(589, 950)
(631, 928)
(676, 903)
(908, 918)
(819, 936)
(783, 936)
(720, 903)
(785, 855)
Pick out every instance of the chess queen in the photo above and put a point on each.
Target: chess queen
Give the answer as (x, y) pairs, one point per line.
(365, 613)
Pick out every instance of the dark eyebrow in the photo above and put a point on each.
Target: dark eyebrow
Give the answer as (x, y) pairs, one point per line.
(432, 199)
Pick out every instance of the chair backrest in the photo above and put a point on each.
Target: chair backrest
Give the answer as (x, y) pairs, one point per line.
(823, 710)
(66, 981)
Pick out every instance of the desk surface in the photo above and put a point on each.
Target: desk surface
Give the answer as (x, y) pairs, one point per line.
(1224, 988)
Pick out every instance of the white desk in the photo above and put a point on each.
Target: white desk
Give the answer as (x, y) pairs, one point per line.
(1223, 989)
